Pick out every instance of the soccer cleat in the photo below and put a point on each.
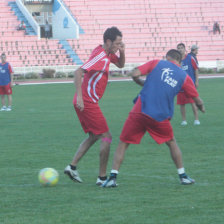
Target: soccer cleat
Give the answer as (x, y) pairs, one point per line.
(111, 182)
(197, 122)
(3, 108)
(100, 182)
(73, 174)
(185, 179)
(183, 123)
(8, 109)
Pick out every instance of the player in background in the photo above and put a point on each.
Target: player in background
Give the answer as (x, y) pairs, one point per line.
(6, 83)
(153, 110)
(88, 93)
(189, 65)
(194, 52)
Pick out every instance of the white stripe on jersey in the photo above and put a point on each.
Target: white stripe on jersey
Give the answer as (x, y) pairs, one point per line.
(89, 86)
(96, 81)
(94, 60)
(94, 85)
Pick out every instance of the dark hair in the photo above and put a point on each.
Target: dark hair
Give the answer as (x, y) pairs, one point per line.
(181, 44)
(174, 54)
(111, 34)
(3, 54)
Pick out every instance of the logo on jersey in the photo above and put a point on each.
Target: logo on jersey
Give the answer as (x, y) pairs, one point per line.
(166, 77)
(184, 67)
(2, 70)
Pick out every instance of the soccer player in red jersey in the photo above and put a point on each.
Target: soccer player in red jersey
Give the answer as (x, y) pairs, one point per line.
(153, 110)
(88, 93)
(190, 66)
(6, 83)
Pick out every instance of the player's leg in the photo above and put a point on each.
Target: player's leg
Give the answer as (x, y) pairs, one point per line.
(71, 169)
(132, 133)
(175, 152)
(118, 159)
(3, 103)
(10, 100)
(195, 111)
(119, 155)
(83, 148)
(106, 140)
(176, 156)
(181, 100)
(9, 108)
(183, 114)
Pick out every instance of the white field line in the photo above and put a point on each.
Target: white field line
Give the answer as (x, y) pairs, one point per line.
(111, 80)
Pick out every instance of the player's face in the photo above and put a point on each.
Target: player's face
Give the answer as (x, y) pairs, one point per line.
(195, 51)
(181, 49)
(3, 58)
(115, 45)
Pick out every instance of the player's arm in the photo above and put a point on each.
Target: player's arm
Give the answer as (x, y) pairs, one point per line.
(191, 91)
(196, 72)
(11, 72)
(78, 85)
(121, 60)
(11, 77)
(135, 74)
(145, 70)
(199, 103)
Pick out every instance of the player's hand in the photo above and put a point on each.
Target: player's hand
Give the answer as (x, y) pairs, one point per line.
(121, 47)
(196, 84)
(11, 84)
(201, 107)
(80, 104)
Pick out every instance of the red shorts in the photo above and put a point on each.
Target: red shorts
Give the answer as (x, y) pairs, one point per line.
(137, 124)
(91, 118)
(6, 90)
(183, 99)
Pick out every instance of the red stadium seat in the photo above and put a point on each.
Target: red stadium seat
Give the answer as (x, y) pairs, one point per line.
(149, 29)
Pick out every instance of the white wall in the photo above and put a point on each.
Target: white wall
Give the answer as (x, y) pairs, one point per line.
(63, 24)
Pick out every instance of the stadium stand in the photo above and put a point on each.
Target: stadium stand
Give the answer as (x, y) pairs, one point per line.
(149, 29)
(23, 50)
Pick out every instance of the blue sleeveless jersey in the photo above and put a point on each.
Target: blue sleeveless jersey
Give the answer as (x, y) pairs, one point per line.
(159, 90)
(4, 74)
(187, 66)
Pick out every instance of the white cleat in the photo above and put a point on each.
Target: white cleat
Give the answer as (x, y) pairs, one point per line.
(73, 174)
(186, 180)
(183, 123)
(100, 182)
(111, 182)
(197, 122)
(4, 108)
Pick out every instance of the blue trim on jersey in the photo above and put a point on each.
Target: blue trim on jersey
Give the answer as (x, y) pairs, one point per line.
(161, 86)
(187, 66)
(5, 77)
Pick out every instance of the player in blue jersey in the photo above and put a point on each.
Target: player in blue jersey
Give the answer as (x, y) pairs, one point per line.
(6, 82)
(194, 52)
(153, 110)
(190, 66)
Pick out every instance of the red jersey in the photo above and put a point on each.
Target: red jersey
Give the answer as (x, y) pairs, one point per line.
(96, 76)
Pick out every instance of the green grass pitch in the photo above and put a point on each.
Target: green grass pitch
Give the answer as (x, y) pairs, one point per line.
(42, 131)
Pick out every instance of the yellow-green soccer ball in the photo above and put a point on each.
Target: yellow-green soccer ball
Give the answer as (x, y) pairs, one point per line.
(48, 177)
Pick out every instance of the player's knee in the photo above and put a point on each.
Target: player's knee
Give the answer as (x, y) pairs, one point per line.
(93, 137)
(170, 142)
(106, 138)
